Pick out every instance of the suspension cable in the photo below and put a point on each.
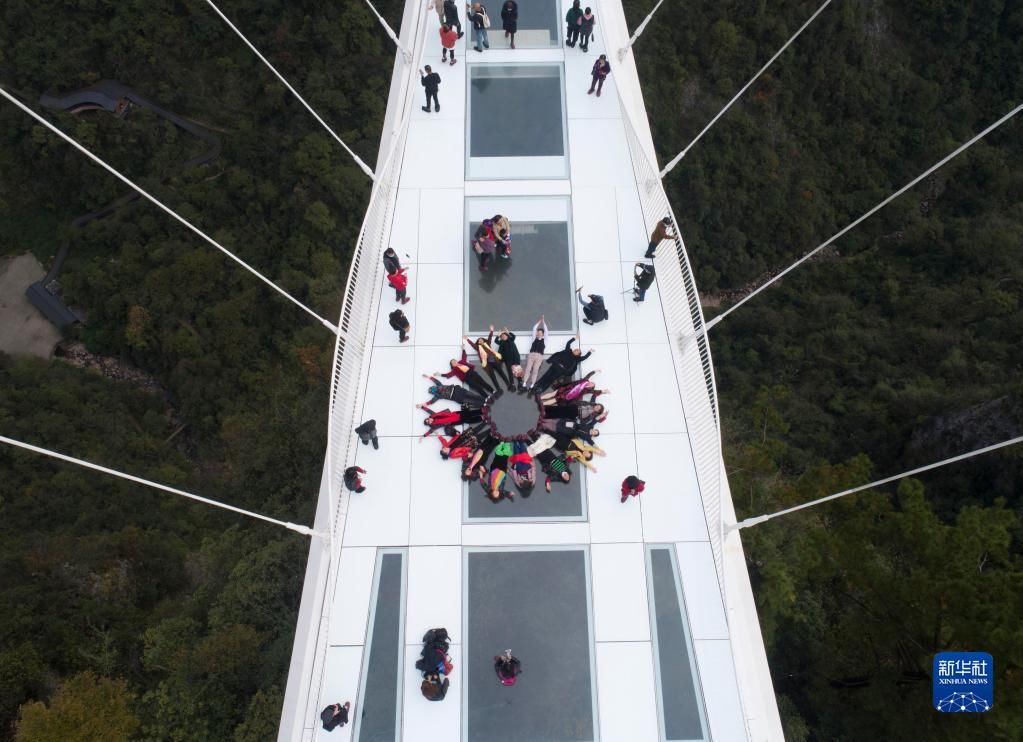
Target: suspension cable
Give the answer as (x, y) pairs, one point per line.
(962, 148)
(390, 32)
(365, 168)
(762, 518)
(668, 168)
(639, 30)
(155, 485)
(167, 209)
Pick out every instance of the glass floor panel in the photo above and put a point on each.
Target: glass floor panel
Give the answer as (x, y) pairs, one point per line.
(565, 502)
(679, 705)
(537, 279)
(378, 714)
(536, 603)
(539, 25)
(516, 121)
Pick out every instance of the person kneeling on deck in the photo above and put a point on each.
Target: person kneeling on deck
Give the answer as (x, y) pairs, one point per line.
(594, 309)
(643, 279)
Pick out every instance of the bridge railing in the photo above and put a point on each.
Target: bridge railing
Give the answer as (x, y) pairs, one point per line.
(684, 317)
(356, 327)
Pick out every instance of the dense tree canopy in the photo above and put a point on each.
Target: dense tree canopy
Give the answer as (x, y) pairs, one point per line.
(897, 347)
(188, 610)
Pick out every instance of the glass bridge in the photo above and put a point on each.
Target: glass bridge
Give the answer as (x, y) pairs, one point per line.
(634, 620)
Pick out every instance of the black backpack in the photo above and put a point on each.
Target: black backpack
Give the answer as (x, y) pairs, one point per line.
(598, 306)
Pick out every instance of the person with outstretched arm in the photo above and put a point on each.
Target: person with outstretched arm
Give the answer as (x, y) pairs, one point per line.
(431, 81)
(562, 363)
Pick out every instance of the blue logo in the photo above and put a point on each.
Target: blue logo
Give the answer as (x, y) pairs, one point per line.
(963, 682)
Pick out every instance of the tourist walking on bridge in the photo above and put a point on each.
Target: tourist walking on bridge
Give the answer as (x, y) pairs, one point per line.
(586, 23)
(451, 16)
(572, 21)
(601, 69)
(448, 37)
(510, 19)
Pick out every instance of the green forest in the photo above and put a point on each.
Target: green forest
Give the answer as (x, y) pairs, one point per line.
(898, 346)
(127, 614)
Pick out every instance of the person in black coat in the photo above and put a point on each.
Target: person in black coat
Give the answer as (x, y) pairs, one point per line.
(643, 279)
(562, 363)
(400, 324)
(353, 478)
(391, 262)
(335, 715)
(430, 81)
(594, 310)
(367, 433)
(451, 16)
(510, 357)
(510, 19)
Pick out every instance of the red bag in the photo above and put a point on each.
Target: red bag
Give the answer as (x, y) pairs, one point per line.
(448, 665)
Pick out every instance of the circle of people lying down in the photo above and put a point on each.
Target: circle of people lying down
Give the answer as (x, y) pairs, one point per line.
(567, 413)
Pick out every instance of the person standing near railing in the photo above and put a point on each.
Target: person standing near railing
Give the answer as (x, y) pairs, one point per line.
(660, 234)
(391, 262)
(643, 279)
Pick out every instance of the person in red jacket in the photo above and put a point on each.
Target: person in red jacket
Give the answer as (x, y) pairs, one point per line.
(448, 37)
(467, 374)
(399, 282)
(444, 418)
(632, 486)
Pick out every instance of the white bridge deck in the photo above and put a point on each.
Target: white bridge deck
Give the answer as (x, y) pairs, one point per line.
(414, 499)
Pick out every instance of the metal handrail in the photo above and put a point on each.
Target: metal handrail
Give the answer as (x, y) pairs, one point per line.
(694, 368)
(347, 389)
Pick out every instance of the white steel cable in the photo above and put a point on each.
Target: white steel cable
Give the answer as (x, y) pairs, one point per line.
(167, 209)
(962, 148)
(668, 168)
(390, 32)
(761, 518)
(639, 29)
(365, 168)
(138, 480)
